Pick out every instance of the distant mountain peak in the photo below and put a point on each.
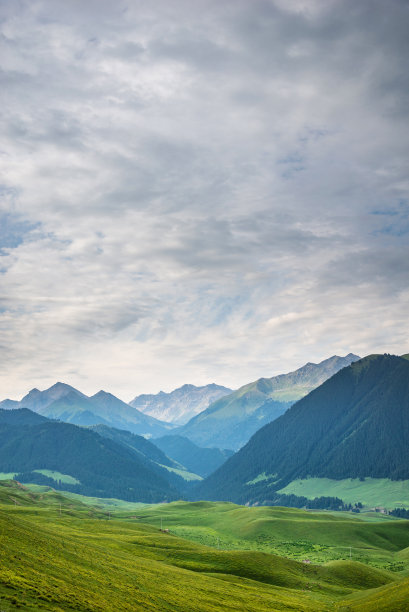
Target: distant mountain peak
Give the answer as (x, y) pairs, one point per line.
(102, 393)
(65, 403)
(231, 420)
(61, 388)
(34, 392)
(180, 405)
(59, 385)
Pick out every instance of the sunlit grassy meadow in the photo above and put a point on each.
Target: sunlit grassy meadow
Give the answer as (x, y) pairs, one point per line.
(58, 553)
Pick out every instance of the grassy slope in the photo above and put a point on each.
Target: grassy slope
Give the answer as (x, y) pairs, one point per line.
(50, 473)
(104, 504)
(79, 560)
(65, 478)
(390, 598)
(297, 534)
(189, 476)
(372, 492)
(76, 559)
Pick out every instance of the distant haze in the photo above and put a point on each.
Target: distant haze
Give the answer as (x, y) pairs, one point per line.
(197, 192)
(180, 405)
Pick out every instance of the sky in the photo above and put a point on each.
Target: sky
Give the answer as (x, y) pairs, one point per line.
(196, 192)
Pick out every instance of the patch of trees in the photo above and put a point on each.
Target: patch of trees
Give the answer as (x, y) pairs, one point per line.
(41, 479)
(318, 503)
(400, 513)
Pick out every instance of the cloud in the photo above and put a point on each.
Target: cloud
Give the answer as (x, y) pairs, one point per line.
(198, 192)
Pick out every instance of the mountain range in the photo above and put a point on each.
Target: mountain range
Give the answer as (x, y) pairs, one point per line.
(65, 403)
(231, 421)
(227, 423)
(35, 448)
(354, 425)
(180, 405)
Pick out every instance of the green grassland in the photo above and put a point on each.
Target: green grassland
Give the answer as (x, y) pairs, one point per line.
(319, 536)
(189, 476)
(103, 504)
(371, 492)
(58, 553)
(64, 478)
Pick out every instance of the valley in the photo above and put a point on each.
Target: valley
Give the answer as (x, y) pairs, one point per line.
(59, 553)
(297, 519)
(370, 538)
(204, 297)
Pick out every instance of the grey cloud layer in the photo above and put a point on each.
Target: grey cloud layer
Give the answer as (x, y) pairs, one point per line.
(200, 191)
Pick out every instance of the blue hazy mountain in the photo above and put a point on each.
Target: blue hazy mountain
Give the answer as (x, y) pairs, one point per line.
(202, 461)
(232, 420)
(63, 402)
(180, 405)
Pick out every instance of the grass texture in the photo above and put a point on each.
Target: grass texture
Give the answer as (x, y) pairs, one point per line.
(58, 553)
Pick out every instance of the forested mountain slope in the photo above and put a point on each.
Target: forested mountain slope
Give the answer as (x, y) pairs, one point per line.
(101, 467)
(138, 443)
(20, 416)
(356, 424)
(202, 461)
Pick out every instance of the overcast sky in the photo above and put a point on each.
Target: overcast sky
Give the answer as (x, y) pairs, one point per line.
(200, 191)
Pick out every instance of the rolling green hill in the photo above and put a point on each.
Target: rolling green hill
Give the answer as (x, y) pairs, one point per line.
(60, 554)
(232, 420)
(319, 536)
(353, 426)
